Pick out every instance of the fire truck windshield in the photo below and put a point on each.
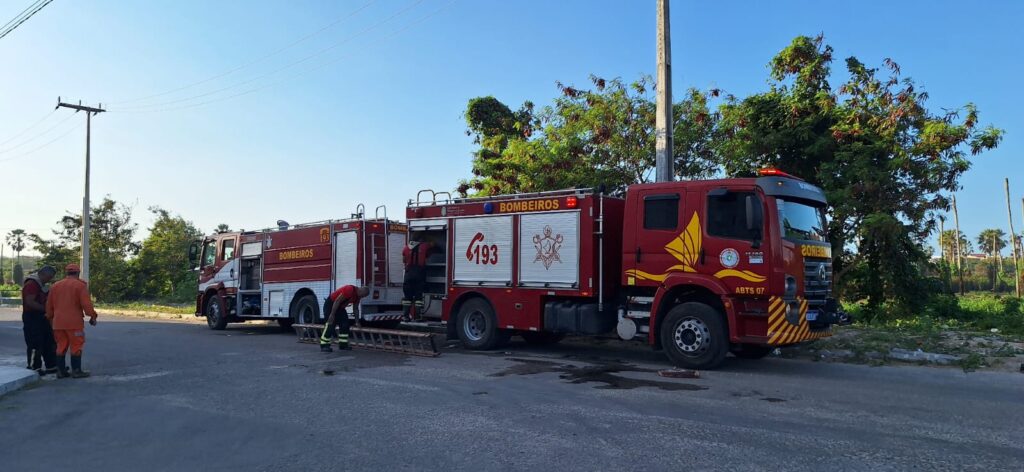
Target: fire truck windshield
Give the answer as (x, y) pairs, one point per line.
(802, 221)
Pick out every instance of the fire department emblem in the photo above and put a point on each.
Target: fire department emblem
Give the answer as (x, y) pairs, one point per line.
(547, 247)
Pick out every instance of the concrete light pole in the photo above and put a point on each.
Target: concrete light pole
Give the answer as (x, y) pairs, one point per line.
(89, 111)
(663, 119)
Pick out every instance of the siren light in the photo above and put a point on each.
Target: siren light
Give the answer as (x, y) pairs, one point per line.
(773, 172)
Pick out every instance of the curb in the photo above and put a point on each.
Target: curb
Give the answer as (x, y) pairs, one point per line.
(15, 378)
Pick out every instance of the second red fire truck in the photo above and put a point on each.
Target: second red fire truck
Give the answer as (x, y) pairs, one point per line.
(697, 269)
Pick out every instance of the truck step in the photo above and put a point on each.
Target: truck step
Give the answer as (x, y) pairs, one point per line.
(375, 339)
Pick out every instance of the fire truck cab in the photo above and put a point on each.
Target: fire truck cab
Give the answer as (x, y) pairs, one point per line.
(696, 268)
(286, 273)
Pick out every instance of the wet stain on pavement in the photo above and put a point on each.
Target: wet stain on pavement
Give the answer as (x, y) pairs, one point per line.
(604, 374)
(772, 400)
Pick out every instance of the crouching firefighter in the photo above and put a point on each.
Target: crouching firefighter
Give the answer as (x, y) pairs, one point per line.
(338, 319)
(414, 255)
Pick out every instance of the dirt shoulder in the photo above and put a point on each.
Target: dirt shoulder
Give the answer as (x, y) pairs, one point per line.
(966, 350)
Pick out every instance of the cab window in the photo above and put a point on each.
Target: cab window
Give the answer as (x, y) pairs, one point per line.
(209, 253)
(227, 249)
(727, 215)
(661, 211)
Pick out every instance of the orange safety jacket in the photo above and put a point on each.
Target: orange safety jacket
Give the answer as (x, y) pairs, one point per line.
(68, 304)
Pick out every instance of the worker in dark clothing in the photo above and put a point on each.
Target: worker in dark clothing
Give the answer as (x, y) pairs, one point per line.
(414, 255)
(338, 318)
(39, 343)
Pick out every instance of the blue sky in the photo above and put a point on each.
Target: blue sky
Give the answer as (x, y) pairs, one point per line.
(378, 114)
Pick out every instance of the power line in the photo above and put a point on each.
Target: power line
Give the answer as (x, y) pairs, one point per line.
(34, 150)
(330, 25)
(36, 136)
(143, 109)
(30, 127)
(23, 17)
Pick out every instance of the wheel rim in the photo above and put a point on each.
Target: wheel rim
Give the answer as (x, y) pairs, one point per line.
(692, 336)
(306, 314)
(213, 313)
(474, 325)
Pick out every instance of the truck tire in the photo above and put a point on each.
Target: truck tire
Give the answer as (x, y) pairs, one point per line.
(539, 338)
(694, 336)
(216, 319)
(751, 351)
(477, 326)
(305, 310)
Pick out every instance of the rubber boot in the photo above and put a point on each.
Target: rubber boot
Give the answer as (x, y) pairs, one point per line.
(406, 306)
(31, 353)
(343, 343)
(326, 348)
(76, 368)
(62, 368)
(418, 312)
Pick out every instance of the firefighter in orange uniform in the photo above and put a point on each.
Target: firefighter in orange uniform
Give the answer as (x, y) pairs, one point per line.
(66, 307)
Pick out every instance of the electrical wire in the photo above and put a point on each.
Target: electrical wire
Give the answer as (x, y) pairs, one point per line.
(48, 143)
(141, 108)
(36, 136)
(30, 127)
(258, 60)
(23, 17)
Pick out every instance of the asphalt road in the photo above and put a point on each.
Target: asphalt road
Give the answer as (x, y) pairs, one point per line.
(176, 396)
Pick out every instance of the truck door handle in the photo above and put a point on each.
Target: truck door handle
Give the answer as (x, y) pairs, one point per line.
(232, 273)
(702, 254)
(638, 254)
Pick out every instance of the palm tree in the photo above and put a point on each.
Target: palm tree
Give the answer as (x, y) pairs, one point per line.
(16, 240)
(992, 241)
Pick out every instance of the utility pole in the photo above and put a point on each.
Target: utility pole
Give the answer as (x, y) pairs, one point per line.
(959, 269)
(1013, 237)
(86, 219)
(663, 115)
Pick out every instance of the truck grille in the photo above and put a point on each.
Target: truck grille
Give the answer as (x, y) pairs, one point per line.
(816, 287)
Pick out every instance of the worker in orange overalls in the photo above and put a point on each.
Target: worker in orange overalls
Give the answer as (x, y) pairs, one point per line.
(67, 305)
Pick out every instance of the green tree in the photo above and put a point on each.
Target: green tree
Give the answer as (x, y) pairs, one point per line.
(586, 138)
(885, 161)
(222, 228)
(19, 274)
(991, 241)
(163, 268)
(111, 238)
(948, 241)
(16, 239)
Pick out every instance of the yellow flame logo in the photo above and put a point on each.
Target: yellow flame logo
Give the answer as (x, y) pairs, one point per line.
(686, 249)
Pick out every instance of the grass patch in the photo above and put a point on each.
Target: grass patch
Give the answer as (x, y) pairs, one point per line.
(176, 309)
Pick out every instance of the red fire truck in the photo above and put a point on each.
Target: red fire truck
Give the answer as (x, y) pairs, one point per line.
(696, 268)
(286, 273)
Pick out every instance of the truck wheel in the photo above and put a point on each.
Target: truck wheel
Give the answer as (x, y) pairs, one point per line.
(216, 319)
(694, 336)
(751, 351)
(478, 326)
(306, 310)
(536, 338)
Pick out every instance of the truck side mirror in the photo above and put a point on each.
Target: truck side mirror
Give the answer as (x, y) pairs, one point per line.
(754, 220)
(193, 253)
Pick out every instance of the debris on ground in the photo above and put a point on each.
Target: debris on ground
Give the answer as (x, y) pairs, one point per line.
(907, 355)
(680, 373)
